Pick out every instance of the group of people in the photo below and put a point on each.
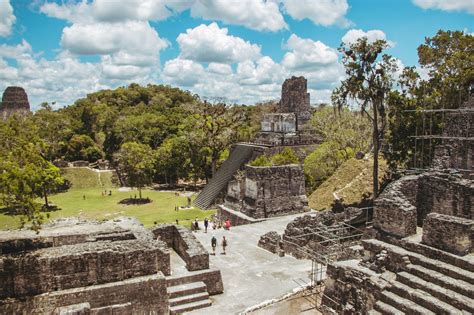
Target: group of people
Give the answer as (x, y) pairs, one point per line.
(214, 245)
(207, 223)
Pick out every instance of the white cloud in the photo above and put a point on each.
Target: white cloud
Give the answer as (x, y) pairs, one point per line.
(308, 54)
(255, 14)
(264, 71)
(209, 43)
(108, 11)
(9, 51)
(7, 18)
(322, 12)
(353, 35)
(447, 5)
(183, 72)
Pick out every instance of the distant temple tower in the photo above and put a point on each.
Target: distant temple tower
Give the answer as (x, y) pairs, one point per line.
(14, 100)
(295, 99)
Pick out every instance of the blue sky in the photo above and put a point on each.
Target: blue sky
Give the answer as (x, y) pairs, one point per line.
(238, 49)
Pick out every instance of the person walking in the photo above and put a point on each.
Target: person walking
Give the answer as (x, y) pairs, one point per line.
(224, 244)
(213, 245)
(206, 224)
(196, 224)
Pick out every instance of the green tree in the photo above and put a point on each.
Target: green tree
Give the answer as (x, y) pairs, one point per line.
(285, 157)
(82, 147)
(211, 129)
(25, 174)
(369, 80)
(448, 57)
(137, 161)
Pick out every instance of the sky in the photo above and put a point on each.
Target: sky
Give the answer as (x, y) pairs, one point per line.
(239, 50)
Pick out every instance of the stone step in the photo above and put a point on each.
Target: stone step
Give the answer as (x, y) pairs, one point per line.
(180, 300)
(422, 298)
(374, 312)
(442, 295)
(442, 267)
(386, 309)
(186, 289)
(444, 281)
(403, 304)
(179, 309)
(451, 270)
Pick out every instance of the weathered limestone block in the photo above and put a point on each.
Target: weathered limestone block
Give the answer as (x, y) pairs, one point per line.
(449, 233)
(14, 100)
(185, 244)
(74, 309)
(394, 210)
(295, 99)
(143, 295)
(273, 191)
(445, 193)
(271, 241)
(71, 266)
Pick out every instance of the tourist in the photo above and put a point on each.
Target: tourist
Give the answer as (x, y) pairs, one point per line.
(227, 224)
(206, 224)
(213, 244)
(224, 245)
(177, 222)
(84, 197)
(110, 192)
(196, 224)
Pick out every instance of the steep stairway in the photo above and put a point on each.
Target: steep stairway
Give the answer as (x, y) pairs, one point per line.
(187, 297)
(425, 285)
(239, 155)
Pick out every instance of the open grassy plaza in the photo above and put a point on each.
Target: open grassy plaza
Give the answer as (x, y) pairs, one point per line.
(85, 199)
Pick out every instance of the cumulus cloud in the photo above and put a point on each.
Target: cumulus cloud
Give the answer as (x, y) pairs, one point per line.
(183, 72)
(120, 34)
(255, 14)
(108, 11)
(353, 35)
(322, 12)
(447, 5)
(209, 43)
(308, 54)
(7, 18)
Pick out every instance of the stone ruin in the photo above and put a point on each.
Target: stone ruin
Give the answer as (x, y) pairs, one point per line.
(264, 192)
(14, 100)
(249, 194)
(421, 260)
(312, 233)
(111, 267)
(290, 126)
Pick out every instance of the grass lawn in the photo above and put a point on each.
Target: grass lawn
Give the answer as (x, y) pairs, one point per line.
(351, 182)
(96, 206)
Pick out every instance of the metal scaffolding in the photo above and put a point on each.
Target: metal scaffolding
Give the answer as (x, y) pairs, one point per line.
(328, 244)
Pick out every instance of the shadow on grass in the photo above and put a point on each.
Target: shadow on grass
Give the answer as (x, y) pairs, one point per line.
(134, 201)
(14, 211)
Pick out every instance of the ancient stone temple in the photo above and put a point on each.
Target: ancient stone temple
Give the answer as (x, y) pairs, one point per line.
(113, 267)
(287, 128)
(421, 260)
(14, 100)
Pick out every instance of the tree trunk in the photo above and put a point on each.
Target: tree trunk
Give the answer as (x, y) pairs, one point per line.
(375, 134)
(45, 197)
(140, 192)
(213, 166)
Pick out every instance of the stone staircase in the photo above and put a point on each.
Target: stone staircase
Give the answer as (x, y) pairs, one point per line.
(187, 297)
(239, 155)
(425, 285)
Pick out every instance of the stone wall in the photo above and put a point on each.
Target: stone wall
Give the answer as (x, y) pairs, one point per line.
(274, 191)
(145, 295)
(405, 203)
(449, 233)
(59, 268)
(295, 99)
(279, 122)
(73, 265)
(14, 100)
(271, 241)
(185, 244)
